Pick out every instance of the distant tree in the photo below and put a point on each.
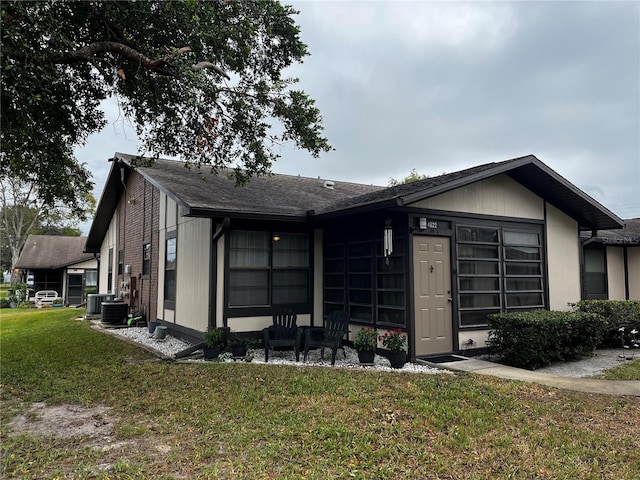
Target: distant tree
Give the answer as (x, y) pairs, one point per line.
(22, 213)
(201, 80)
(412, 177)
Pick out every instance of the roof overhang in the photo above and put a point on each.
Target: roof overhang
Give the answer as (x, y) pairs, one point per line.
(532, 174)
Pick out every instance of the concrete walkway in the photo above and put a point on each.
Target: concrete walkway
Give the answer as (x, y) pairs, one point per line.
(589, 385)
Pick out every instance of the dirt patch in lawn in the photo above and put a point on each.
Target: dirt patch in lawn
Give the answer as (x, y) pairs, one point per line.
(66, 421)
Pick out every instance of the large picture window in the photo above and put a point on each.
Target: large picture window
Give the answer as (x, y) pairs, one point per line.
(499, 270)
(268, 269)
(170, 263)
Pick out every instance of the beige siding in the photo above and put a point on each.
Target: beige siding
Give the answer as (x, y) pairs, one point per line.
(615, 273)
(162, 247)
(563, 259)
(633, 266)
(479, 338)
(498, 195)
(108, 242)
(193, 261)
(86, 265)
(318, 282)
(171, 214)
(249, 324)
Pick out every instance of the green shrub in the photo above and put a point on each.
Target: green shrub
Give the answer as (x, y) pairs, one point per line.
(535, 338)
(88, 291)
(616, 313)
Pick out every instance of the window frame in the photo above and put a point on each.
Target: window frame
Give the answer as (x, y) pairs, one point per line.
(502, 275)
(170, 290)
(110, 271)
(271, 271)
(603, 275)
(146, 262)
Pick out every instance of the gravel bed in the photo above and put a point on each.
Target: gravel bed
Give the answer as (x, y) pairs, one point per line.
(171, 345)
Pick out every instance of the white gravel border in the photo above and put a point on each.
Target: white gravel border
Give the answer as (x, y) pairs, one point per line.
(171, 345)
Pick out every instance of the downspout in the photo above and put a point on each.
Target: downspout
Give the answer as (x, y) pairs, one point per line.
(97, 259)
(213, 270)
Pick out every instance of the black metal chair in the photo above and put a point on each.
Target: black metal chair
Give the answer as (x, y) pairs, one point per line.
(283, 333)
(336, 327)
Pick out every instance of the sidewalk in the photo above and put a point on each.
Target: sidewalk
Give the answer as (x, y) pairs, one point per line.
(589, 385)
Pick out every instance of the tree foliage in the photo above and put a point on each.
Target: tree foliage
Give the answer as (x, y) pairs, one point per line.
(22, 213)
(201, 80)
(412, 177)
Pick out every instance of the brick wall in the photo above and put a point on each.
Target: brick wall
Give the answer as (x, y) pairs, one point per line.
(139, 209)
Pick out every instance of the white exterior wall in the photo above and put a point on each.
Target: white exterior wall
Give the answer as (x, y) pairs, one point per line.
(615, 273)
(633, 266)
(82, 266)
(192, 275)
(563, 259)
(500, 195)
(108, 242)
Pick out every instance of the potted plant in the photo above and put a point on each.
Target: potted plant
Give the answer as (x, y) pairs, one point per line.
(237, 345)
(396, 341)
(213, 339)
(365, 343)
(56, 302)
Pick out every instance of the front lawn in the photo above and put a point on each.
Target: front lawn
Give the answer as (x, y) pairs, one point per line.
(629, 370)
(250, 421)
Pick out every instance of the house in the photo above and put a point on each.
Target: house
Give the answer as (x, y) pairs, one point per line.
(433, 257)
(58, 263)
(612, 263)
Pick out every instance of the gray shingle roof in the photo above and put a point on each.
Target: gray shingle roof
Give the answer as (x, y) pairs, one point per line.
(629, 235)
(276, 194)
(291, 198)
(52, 251)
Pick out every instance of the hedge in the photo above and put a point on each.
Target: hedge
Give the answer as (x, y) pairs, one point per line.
(617, 314)
(534, 338)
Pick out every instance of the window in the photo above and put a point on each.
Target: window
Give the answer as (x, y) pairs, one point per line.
(120, 262)
(595, 273)
(170, 261)
(110, 271)
(499, 270)
(90, 278)
(268, 269)
(146, 259)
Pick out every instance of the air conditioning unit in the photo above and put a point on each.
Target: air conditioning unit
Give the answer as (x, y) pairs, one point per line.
(94, 302)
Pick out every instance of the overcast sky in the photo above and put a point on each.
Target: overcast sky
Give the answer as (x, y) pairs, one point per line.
(444, 86)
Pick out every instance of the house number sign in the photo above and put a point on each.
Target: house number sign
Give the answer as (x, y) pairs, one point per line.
(432, 224)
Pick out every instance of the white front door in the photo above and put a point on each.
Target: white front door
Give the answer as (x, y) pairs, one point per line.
(432, 290)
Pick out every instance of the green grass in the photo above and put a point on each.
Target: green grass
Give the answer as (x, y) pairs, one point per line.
(624, 371)
(243, 420)
(4, 290)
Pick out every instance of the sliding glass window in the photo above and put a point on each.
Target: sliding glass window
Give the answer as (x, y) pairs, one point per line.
(499, 270)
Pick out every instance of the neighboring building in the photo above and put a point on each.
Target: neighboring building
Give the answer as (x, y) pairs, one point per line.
(612, 263)
(432, 257)
(51, 262)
